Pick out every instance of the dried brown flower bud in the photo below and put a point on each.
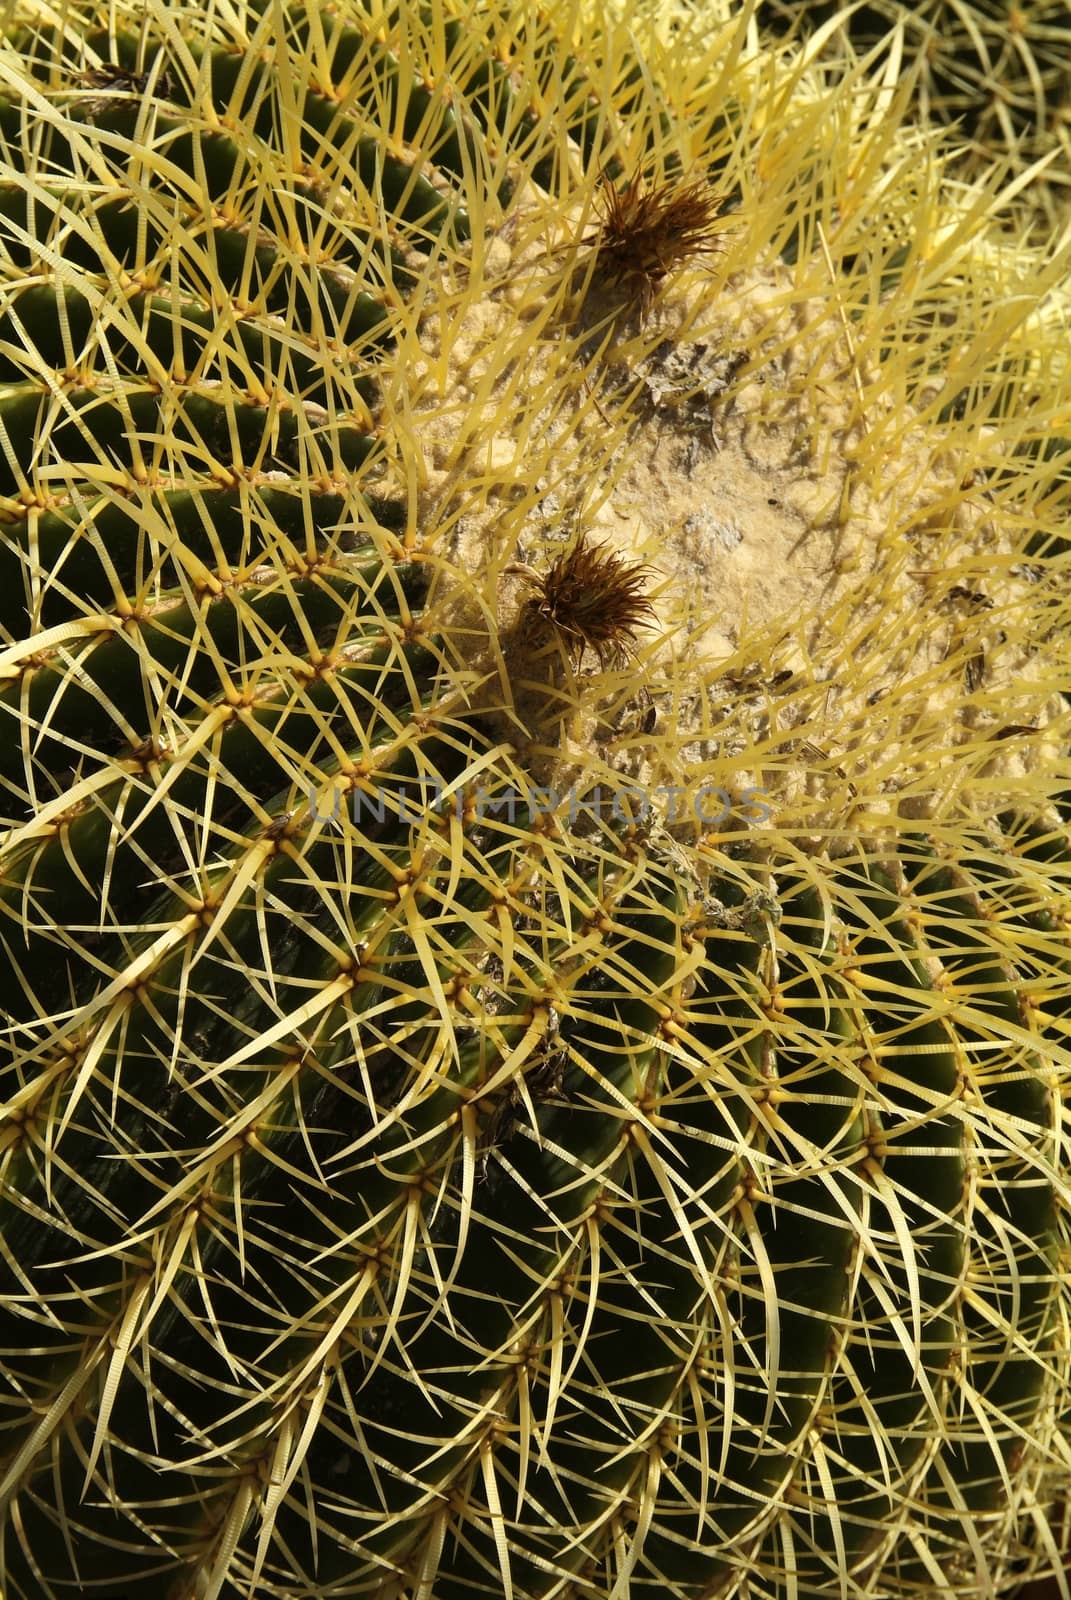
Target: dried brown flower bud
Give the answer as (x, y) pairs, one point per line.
(645, 234)
(594, 598)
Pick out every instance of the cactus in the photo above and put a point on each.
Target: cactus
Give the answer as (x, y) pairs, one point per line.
(533, 895)
(997, 74)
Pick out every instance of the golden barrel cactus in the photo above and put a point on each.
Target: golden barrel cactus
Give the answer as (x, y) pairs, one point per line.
(535, 860)
(996, 72)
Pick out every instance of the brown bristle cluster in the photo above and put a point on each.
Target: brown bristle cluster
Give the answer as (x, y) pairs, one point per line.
(594, 599)
(647, 233)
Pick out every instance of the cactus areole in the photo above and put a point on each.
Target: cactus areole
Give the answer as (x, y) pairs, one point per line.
(534, 863)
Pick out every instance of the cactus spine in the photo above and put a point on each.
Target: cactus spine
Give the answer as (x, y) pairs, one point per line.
(998, 75)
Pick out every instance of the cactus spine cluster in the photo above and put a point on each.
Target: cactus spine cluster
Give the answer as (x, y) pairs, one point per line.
(481, 1114)
(996, 72)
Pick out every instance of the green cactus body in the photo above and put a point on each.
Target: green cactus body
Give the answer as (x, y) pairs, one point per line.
(411, 1186)
(997, 74)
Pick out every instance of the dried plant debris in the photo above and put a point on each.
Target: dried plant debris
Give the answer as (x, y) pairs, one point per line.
(647, 232)
(115, 79)
(594, 600)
